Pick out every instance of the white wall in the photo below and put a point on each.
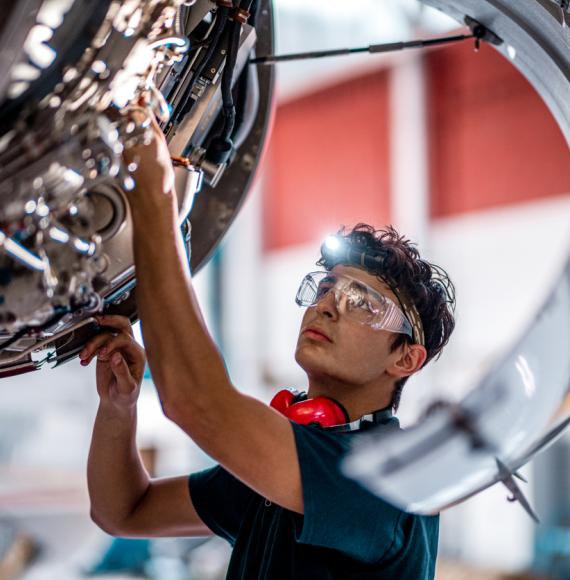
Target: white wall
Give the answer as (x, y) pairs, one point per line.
(306, 26)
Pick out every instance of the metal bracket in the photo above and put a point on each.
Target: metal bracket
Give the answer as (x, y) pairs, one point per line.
(481, 32)
(507, 478)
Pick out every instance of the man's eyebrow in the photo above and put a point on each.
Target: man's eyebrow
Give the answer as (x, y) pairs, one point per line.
(369, 290)
(359, 285)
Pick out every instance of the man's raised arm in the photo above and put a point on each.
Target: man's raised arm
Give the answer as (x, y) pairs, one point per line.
(252, 441)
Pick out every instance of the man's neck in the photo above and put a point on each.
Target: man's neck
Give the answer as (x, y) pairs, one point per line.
(358, 400)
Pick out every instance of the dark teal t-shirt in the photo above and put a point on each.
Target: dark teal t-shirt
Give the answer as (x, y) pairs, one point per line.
(345, 533)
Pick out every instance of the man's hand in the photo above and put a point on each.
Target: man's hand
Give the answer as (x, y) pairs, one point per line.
(151, 168)
(124, 500)
(120, 362)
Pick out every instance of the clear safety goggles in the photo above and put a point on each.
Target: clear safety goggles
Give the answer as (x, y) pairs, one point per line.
(355, 299)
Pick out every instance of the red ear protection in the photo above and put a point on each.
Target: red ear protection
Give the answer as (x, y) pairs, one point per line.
(324, 411)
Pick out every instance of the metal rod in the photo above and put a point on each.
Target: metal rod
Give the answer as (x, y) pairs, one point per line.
(21, 254)
(17, 356)
(372, 49)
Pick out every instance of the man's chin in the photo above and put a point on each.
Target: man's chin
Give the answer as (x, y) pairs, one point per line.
(310, 360)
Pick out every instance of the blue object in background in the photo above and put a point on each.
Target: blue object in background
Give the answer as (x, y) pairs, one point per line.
(123, 555)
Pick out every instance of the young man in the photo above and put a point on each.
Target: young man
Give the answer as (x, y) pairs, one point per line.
(278, 495)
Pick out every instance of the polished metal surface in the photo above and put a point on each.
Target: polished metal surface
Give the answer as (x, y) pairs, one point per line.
(73, 71)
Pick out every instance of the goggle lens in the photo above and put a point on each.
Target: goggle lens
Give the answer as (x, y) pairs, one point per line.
(354, 298)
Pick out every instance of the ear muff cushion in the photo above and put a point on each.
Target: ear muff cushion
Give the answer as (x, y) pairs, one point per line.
(284, 399)
(324, 411)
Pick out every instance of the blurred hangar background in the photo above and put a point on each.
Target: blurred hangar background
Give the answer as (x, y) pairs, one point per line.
(451, 146)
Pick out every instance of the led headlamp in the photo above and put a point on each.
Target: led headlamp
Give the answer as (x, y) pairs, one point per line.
(337, 249)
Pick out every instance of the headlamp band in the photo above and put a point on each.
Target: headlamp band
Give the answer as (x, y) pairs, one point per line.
(410, 310)
(374, 263)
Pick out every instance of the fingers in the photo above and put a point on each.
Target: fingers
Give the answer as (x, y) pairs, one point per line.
(141, 115)
(145, 117)
(105, 344)
(126, 388)
(123, 343)
(153, 173)
(108, 341)
(125, 381)
(121, 323)
(156, 127)
(93, 346)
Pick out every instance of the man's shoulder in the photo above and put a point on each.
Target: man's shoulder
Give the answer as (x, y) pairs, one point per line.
(339, 441)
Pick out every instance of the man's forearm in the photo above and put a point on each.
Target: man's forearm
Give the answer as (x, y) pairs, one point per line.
(116, 478)
(187, 368)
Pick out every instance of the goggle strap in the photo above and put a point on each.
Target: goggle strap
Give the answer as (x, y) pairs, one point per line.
(410, 311)
(396, 321)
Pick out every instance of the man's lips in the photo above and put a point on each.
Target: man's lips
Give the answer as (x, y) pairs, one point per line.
(316, 334)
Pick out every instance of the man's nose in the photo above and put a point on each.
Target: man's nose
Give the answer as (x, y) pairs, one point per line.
(327, 305)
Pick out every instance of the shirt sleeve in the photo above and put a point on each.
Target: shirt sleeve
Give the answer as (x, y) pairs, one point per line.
(220, 500)
(338, 512)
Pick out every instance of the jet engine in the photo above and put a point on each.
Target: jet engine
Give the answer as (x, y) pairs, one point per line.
(71, 71)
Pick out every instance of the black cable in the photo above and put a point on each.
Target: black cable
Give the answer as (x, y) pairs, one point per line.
(216, 35)
(222, 145)
(219, 26)
(227, 97)
(373, 49)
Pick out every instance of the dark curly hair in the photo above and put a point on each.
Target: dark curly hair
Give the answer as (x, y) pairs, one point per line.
(422, 285)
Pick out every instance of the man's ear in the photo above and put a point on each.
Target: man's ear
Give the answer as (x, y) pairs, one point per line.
(409, 360)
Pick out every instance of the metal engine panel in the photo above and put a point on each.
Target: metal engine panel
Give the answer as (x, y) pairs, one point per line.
(72, 70)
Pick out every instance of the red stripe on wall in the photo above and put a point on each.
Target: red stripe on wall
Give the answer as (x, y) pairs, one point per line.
(328, 163)
(492, 140)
